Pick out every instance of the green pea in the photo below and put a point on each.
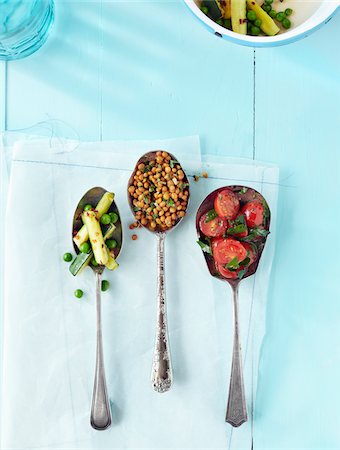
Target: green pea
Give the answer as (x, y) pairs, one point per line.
(286, 23)
(258, 22)
(205, 9)
(111, 243)
(105, 285)
(67, 257)
(78, 293)
(280, 16)
(269, 2)
(266, 8)
(94, 262)
(105, 219)
(255, 31)
(272, 14)
(227, 23)
(85, 247)
(88, 207)
(288, 11)
(251, 15)
(114, 217)
(219, 22)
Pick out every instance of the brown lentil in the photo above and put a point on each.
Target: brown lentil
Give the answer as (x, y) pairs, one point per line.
(158, 192)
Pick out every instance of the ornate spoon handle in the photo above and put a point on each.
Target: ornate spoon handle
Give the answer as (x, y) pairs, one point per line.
(100, 410)
(237, 407)
(161, 368)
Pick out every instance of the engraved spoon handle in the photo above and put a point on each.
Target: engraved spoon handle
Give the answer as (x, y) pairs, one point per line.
(161, 367)
(100, 410)
(237, 408)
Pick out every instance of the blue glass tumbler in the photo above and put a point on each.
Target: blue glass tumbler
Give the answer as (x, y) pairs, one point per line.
(24, 26)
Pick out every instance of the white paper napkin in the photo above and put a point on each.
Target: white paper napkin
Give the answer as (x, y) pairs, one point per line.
(49, 336)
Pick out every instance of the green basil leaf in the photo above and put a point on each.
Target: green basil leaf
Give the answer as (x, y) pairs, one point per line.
(233, 264)
(205, 247)
(245, 261)
(241, 274)
(237, 229)
(210, 215)
(255, 233)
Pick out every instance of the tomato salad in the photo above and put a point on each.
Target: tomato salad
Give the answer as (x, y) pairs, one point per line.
(233, 224)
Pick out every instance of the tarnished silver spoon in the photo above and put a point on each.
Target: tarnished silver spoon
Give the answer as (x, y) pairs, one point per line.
(236, 413)
(161, 375)
(100, 409)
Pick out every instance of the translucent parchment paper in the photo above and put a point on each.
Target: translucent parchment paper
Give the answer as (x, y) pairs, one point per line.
(49, 335)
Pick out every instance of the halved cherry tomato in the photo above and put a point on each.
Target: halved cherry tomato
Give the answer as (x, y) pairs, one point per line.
(227, 204)
(213, 228)
(253, 213)
(224, 250)
(252, 252)
(227, 273)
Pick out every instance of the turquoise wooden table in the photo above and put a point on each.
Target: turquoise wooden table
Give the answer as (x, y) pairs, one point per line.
(130, 70)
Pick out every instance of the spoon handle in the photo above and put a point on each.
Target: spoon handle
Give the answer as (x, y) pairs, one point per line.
(100, 410)
(161, 368)
(237, 408)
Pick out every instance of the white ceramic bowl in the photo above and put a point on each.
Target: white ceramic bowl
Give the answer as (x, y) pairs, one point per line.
(322, 13)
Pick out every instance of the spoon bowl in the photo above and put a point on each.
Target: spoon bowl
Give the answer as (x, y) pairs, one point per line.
(161, 375)
(100, 409)
(236, 413)
(145, 159)
(92, 197)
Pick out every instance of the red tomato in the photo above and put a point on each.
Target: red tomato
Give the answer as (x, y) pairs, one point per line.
(252, 252)
(253, 213)
(227, 273)
(227, 204)
(224, 250)
(213, 228)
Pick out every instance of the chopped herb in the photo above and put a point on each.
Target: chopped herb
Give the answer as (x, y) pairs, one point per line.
(255, 233)
(266, 209)
(237, 226)
(245, 261)
(170, 202)
(205, 247)
(152, 205)
(172, 163)
(182, 186)
(233, 264)
(147, 168)
(152, 188)
(155, 216)
(243, 190)
(146, 199)
(241, 274)
(135, 208)
(210, 215)
(238, 229)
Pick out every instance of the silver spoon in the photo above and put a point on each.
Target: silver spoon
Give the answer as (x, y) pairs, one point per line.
(161, 375)
(100, 409)
(236, 413)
